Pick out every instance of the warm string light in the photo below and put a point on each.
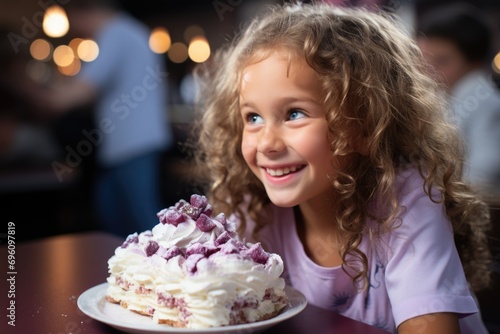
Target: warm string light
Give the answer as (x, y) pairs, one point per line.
(178, 52)
(38, 71)
(67, 58)
(196, 47)
(55, 22)
(199, 49)
(74, 43)
(496, 63)
(63, 56)
(88, 50)
(193, 32)
(41, 49)
(72, 69)
(159, 40)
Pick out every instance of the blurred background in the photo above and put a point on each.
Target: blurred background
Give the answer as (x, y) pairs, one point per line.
(49, 161)
(46, 174)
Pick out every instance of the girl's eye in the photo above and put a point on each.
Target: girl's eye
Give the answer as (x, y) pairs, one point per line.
(296, 114)
(254, 119)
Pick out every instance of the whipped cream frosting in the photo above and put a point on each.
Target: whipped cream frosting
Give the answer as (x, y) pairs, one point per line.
(191, 270)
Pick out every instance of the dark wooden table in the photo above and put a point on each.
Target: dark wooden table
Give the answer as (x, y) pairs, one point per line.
(51, 273)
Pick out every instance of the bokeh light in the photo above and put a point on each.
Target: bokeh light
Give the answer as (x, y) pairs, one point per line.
(199, 49)
(88, 50)
(74, 44)
(55, 22)
(38, 71)
(192, 32)
(496, 63)
(63, 56)
(159, 40)
(40, 49)
(178, 52)
(72, 69)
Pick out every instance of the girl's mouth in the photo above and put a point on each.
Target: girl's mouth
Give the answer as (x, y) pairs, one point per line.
(283, 171)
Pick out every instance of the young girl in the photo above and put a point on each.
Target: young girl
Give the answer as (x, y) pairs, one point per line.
(321, 134)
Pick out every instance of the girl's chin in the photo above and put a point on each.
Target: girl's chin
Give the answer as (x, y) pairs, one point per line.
(282, 201)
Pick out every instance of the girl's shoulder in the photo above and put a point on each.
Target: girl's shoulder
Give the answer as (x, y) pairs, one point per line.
(411, 189)
(408, 180)
(408, 186)
(420, 219)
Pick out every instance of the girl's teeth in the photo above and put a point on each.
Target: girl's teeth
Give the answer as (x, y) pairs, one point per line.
(281, 171)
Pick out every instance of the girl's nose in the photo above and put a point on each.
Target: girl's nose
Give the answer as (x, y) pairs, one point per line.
(270, 141)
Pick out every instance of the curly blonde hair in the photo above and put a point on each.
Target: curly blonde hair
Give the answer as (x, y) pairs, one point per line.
(377, 91)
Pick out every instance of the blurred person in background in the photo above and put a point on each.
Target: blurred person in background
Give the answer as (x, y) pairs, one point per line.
(127, 83)
(457, 41)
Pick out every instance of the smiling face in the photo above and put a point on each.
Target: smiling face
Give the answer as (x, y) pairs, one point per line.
(285, 131)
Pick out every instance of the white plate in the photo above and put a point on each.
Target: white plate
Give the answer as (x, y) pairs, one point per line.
(94, 304)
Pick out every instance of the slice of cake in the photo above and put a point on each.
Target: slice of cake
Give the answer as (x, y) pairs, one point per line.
(192, 271)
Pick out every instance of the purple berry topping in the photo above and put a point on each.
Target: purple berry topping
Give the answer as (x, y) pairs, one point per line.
(171, 216)
(152, 247)
(231, 247)
(258, 254)
(205, 223)
(191, 211)
(172, 252)
(208, 210)
(161, 215)
(192, 261)
(131, 239)
(221, 218)
(222, 239)
(198, 248)
(198, 201)
(180, 204)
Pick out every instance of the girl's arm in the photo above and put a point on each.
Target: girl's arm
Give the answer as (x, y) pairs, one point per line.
(435, 323)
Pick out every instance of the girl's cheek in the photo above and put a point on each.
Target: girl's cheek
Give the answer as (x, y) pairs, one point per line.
(248, 149)
(244, 145)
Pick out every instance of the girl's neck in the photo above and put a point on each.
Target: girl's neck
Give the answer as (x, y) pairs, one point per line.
(318, 215)
(318, 232)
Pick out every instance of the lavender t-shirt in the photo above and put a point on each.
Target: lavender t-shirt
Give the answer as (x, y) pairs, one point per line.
(414, 270)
